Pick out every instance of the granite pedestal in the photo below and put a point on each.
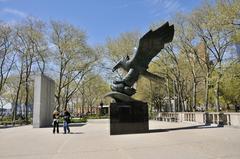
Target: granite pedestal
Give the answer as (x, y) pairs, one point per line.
(128, 118)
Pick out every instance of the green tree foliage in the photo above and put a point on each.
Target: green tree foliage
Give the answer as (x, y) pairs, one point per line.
(73, 57)
(29, 43)
(231, 84)
(194, 63)
(124, 45)
(93, 88)
(29, 47)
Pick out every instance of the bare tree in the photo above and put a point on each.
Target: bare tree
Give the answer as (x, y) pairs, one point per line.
(29, 44)
(191, 46)
(217, 40)
(6, 56)
(74, 59)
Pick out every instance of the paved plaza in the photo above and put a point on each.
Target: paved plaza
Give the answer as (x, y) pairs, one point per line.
(92, 141)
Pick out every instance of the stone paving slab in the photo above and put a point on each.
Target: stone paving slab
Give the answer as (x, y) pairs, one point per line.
(92, 141)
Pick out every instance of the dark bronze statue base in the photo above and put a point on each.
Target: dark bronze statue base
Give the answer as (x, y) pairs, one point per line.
(128, 118)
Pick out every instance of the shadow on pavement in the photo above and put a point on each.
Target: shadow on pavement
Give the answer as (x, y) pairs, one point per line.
(60, 125)
(10, 126)
(74, 124)
(71, 133)
(76, 133)
(182, 128)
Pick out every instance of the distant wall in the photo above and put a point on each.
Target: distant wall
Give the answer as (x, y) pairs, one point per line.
(43, 101)
(230, 119)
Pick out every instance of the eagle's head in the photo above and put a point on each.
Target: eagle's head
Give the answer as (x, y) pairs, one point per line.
(121, 63)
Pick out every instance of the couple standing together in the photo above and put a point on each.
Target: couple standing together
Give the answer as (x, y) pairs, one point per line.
(66, 120)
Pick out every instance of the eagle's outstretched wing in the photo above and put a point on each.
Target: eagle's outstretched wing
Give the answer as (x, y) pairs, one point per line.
(151, 44)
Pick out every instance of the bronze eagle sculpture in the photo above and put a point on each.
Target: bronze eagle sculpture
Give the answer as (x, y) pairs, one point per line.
(149, 46)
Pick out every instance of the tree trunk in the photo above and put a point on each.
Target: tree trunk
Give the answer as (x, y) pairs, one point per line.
(194, 95)
(181, 97)
(206, 91)
(14, 114)
(151, 99)
(59, 89)
(91, 107)
(218, 87)
(67, 98)
(179, 106)
(26, 102)
(217, 104)
(168, 96)
(174, 96)
(1, 110)
(83, 99)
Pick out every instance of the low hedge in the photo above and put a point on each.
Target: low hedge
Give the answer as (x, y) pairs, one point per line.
(95, 116)
(75, 120)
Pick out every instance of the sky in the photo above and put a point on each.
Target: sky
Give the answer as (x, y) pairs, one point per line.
(100, 19)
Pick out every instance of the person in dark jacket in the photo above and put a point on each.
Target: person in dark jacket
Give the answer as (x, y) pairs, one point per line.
(66, 121)
(55, 121)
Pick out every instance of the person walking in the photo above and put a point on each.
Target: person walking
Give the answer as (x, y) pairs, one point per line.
(55, 121)
(66, 121)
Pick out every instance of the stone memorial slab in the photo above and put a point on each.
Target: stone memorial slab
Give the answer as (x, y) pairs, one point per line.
(43, 107)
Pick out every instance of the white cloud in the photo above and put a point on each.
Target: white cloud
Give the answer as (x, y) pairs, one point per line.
(4, 0)
(14, 12)
(160, 7)
(127, 4)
